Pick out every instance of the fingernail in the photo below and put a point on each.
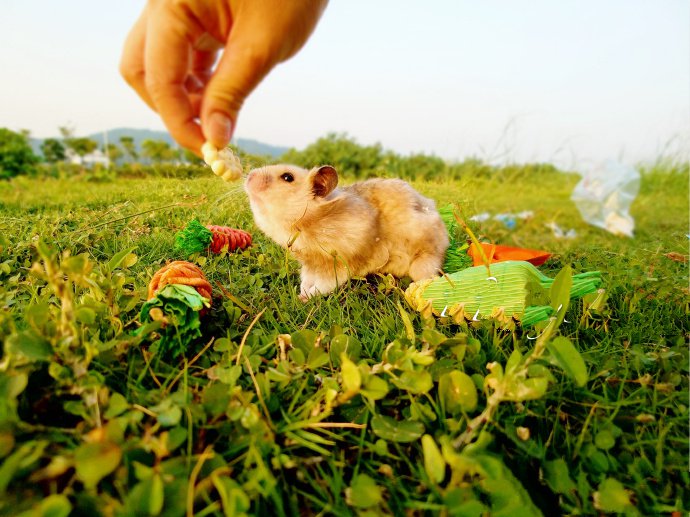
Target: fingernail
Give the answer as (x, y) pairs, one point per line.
(220, 129)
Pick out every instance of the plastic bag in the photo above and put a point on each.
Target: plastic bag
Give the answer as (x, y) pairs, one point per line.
(604, 196)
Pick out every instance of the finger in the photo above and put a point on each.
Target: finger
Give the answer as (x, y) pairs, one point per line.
(241, 68)
(167, 60)
(193, 85)
(202, 64)
(132, 60)
(195, 99)
(259, 39)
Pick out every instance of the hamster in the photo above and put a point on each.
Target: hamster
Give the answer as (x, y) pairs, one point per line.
(373, 226)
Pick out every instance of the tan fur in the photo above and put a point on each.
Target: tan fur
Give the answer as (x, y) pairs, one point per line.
(374, 226)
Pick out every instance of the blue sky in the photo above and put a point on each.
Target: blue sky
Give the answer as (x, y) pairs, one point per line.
(513, 80)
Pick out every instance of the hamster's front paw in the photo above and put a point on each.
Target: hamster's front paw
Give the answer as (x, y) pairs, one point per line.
(307, 289)
(313, 284)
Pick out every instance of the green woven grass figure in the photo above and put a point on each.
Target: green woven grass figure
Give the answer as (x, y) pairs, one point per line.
(510, 291)
(456, 254)
(179, 307)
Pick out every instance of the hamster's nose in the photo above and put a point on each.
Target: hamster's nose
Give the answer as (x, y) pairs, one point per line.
(257, 181)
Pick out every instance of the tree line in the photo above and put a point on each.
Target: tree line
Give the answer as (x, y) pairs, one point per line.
(350, 158)
(18, 157)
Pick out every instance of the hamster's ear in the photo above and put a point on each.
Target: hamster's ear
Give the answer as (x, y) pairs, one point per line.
(323, 179)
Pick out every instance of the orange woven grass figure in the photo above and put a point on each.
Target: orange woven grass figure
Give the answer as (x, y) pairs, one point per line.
(180, 272)
(232, 238)
(178, 296)
(196, 238)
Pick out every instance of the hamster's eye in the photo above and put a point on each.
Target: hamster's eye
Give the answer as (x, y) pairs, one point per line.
(288, 177)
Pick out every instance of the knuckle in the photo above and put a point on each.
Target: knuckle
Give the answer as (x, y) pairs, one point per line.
(230, 96)
(258, 57)
(155, 87)
(131, 74)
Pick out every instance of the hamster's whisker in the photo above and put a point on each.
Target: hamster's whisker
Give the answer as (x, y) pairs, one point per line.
(233, 191)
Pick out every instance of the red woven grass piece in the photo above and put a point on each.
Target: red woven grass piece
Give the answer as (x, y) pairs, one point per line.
(180, 272)
(232, 238)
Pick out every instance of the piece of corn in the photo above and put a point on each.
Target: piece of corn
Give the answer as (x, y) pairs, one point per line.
(223, 162)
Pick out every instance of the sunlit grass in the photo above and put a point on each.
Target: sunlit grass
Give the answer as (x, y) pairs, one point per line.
(628, 423)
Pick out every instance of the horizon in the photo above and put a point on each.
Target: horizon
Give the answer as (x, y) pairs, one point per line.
(517, 82)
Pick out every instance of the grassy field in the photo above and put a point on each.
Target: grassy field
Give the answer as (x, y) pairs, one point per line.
(348, 404)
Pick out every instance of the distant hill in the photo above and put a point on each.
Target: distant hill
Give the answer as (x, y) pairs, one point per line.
(139, 135)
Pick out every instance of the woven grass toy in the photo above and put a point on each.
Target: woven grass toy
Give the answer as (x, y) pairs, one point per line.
(461, 255)
(456, 255)
(500, 253)
(196, 238)
(178, 295)
(508, 292)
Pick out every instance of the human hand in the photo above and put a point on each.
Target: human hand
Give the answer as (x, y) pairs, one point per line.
(170, 53)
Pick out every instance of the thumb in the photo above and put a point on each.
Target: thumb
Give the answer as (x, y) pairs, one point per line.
(240, 69)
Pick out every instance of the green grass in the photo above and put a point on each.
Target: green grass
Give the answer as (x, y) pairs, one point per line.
(91, 416)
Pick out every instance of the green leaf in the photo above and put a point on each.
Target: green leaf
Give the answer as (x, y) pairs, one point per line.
(6, 442)
(304, 340)
(235, 500)
(138, 500)
(117, 404)
(343, 343)
(31, 345)
(45, 250)
(604, 439)
(407, 322)
(76, 407)
(226, 374)
(77, 266)
(513, 361)
(22, 457)
(170, 416)
(297, 356)
(352, 378)
(433, 337)
(597, 460)
(156, 496)
(317, 358)
(85, 315)
(611, 496)
(457, 392)
(375, 388)
(363, 492)
(129, 261)
(396, 431)
(94, 461)
(176, 437)
(508, 496)
(12, 384)
(458, 506)
(569, 359)
(434, 464)
(416, 382)
(119, 258)
(55, 505)
(141, 471)
(558, 477)
(527, 389)
(38, 315)
(560, 293)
